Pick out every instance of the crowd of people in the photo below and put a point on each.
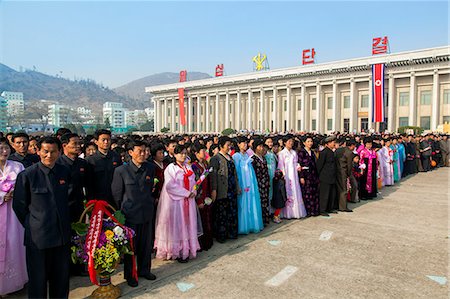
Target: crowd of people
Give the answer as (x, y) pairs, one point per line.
(182, 193)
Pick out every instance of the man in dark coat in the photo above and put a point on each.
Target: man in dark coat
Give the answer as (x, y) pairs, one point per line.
(326, 167)
(344, 159)
(425, 153)
(41, 203)
(410, 151)
(102, 164)
(20, 142)
(132, 188)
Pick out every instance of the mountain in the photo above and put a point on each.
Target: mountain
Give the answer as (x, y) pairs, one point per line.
(37, 86)
(136, 89)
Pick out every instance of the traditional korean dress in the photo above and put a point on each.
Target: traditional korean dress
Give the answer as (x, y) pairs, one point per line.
(176, 234)
(310, 190)
(272, 162)
(395, 163)
(263, 179)
(288, 163)
(13, 268)
(206, 213)
(386, 165)
(401, 157)
(249, 201)
(368, 179)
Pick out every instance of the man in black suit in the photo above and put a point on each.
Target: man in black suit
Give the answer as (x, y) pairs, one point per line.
(20, 142)
(132, 190)
(326, 166)
(41, 203)
(102, 164)
(344, 159)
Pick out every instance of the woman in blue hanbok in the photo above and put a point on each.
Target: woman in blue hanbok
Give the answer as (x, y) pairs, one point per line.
(249, 202)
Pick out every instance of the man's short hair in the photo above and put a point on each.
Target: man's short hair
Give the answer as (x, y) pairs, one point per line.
(101, 132)
(65, 139)
(49, 140)
(20, 135)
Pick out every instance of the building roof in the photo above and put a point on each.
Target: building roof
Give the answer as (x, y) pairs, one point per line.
(423, 56)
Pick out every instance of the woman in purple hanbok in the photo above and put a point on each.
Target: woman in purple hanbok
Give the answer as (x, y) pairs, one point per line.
(177, 230)
(386, 164)
(288, 164)
(309, 178)
(13, 269)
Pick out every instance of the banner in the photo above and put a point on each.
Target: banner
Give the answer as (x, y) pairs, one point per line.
(378, 92)
(181, 106)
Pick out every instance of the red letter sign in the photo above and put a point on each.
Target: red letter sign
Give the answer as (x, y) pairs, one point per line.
(308, 56)
(380, 45)
(183, 75)
(219, 70)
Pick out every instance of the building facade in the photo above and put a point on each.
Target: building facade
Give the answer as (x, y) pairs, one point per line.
(115, 113)
(14, 103)
(3, 114)
(326, 97)
(59, 115)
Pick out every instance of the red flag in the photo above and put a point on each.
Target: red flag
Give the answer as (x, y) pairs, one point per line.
(378, 92)
(181, 106)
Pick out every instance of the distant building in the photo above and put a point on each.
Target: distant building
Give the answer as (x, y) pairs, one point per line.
(3, 114)
(85, 116)
(150, 113)
(115, 113)
(39, 127)
(59, 115)
(14, 103)
(135, 118)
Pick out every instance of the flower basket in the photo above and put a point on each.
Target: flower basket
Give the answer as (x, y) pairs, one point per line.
(101, 244)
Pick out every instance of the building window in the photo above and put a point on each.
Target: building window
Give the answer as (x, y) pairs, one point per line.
(313, 125)
(299, 124)
(364, 124)
(403, 121)
(329, 124)
(425, 97)
(425, 122)
(446, 96)
(365, 101)
(176, 112)
(403, 99)
(346, 124)
(313, 104)
(285, 105)
(299, 104)
(329, 103)
(271, 106)
(446, 119)
(346, 102)
(168, 112)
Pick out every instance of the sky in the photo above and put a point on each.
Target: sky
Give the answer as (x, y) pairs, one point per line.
(115, 42)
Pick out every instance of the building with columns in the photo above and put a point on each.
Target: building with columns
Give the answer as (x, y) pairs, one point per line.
(325, 97)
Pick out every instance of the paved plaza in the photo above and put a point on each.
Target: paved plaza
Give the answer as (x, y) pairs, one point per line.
(387, 248)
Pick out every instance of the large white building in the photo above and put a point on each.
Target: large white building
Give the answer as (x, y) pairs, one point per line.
(3, 114)
(115, 113)
(135, 118)
(14, 103)
(59, 115)
(325, 97)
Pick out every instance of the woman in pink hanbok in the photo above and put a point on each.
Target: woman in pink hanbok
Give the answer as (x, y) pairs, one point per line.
(13, 269)
(176, 234)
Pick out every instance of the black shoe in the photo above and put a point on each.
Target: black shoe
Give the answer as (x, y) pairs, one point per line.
(325, 214)
(149, 276)
(334, 212)
(346, 210)
(183, 261)
(221, 240)
(132, 283)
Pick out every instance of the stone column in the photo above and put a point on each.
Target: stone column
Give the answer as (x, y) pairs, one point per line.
(275, 109)
(216, 126)
(155, 115)
(336, 110)
(199, 115)
(238, 110)
(288, 102)
(227, 110)
(207, 128)
(249, 112)
(189, 114)
(435, 105)
(392, 105)
(353, 107)
(303, 107)
(319, 117)
(412, 101)
(261, 112)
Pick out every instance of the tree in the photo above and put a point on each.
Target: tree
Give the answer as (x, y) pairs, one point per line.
(148, 126)
(165, 130)
(228, 131)
(107, 123)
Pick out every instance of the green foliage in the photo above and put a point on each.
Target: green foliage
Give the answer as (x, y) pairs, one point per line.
(107, 123)
(165, 130)
(80, 228)
(228, 131)
(417, 130)
(120, 217)
(148, 126)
